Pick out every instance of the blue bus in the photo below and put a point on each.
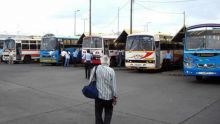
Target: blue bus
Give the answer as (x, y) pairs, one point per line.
(51, 47)
(202, 51)
(1, 48)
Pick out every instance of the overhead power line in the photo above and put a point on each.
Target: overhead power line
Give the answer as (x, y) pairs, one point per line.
(124, 5)
(115, 17)
(157, 10)
(173, 1)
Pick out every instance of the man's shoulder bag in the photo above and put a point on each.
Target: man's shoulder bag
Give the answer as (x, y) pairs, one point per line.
(90, 91)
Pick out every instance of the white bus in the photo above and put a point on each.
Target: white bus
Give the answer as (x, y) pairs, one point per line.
(145, 51)
(100, 46)
(24, 49)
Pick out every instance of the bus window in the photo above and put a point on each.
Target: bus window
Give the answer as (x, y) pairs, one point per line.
(25, 46)
(157, 44)
(33, 46)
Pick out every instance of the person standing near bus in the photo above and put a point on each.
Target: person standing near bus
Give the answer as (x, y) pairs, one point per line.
(11, 56)
(167, 60)
(75, 55)
(106, 85)
(88, 58)
(66, 55)
(67, 58)
(119, 58)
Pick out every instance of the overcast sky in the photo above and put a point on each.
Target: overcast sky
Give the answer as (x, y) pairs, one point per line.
(37, 17)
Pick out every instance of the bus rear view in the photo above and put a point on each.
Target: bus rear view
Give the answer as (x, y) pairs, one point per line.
(202, 51)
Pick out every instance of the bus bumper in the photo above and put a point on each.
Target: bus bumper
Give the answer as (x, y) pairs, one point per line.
(201, 72)
(140, 65)
(48, 60)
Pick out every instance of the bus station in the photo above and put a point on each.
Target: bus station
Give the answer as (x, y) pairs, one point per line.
(150, 62)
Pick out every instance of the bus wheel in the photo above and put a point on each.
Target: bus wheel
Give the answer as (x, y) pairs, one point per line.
(140, 70)
(27, 59)
(199, 78)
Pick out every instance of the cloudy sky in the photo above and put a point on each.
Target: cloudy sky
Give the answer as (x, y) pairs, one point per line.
(37, 17)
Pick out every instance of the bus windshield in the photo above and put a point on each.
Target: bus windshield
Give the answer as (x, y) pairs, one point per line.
(9, 44)
(140, 42)
(92, 42)
(48, 43)
(203, 39)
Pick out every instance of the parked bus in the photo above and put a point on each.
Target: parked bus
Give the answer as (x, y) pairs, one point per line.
(1, 48)
(25, 49)
(51, 47)
(100, 46)
(144, 51)
(202, 50)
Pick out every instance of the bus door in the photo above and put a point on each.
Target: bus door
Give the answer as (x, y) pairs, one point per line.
(106, 48)
(157, 51)
(18, 51)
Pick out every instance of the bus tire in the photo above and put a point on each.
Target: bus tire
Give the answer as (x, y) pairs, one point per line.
(140, 70)
(27, 59)
(199, 78)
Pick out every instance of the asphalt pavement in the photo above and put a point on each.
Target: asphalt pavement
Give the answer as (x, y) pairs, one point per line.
(43, 94)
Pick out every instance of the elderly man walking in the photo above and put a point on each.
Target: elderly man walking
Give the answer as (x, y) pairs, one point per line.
(106, 85)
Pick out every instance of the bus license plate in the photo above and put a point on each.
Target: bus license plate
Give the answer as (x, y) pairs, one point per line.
(138, 65)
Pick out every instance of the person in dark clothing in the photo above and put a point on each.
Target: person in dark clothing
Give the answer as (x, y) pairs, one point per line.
(119, 58)
(167, 60)
(75, 55)
(87, 57)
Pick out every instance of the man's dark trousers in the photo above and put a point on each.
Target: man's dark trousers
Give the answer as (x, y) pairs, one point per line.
(105, 105)
(87, 69)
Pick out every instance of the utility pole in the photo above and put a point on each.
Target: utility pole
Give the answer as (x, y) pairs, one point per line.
(75, 21)
(184, 19)
(118, 20)
(90, 18)
(147, 26)
(131, 16)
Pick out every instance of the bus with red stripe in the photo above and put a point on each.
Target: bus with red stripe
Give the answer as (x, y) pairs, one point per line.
(99, 46)
(145, 51)
(24, 49)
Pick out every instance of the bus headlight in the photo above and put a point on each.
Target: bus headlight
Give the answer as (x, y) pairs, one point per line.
(188, 65)
(151, 61)
(53, 56)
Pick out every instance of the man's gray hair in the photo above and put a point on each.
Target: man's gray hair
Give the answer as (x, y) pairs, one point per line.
(105, 60)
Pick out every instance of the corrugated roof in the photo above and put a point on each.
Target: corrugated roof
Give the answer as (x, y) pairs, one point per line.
(179, 35)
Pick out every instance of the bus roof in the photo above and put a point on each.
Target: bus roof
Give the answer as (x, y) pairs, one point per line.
(63, 37)
(70, 37)
(135, 34)
(157, 36)
(25, 38)
(203, 25)
(105, 37)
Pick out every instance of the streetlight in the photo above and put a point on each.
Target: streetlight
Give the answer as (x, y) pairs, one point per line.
(75, 21)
